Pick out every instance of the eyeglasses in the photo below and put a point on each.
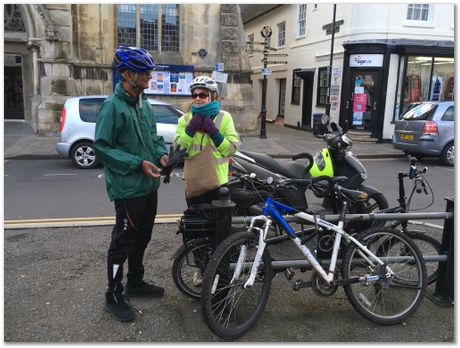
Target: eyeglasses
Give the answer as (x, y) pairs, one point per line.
(200, 95)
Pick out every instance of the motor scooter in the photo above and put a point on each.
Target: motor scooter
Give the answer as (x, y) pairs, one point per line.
(335, 160)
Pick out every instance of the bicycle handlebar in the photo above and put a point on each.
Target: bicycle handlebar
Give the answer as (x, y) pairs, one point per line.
(414, 173)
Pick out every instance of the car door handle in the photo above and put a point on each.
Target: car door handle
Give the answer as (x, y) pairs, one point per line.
(375, 106)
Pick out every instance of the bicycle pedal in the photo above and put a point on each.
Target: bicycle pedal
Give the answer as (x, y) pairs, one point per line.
(300, 284)
(289, 273)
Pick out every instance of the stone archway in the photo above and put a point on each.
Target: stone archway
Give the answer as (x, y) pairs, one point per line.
(22, 44)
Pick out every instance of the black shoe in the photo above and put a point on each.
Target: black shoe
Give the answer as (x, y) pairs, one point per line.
(144, 289)
(119, 309)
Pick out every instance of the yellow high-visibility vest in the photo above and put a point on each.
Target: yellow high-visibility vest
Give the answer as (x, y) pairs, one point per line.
(224, 122)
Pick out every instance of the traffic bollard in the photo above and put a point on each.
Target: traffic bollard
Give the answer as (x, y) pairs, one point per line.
(223, 213)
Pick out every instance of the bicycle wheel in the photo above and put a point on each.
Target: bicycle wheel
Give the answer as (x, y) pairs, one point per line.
(428, 246)
(229, 309)
(191, 258)
(389, 299)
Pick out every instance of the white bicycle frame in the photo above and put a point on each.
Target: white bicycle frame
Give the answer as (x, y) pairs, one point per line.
(329, 276)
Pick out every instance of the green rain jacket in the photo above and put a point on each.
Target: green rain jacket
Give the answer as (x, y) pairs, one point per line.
(126, 134)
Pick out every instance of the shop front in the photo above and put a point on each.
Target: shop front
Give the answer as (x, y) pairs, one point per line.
(382, 80)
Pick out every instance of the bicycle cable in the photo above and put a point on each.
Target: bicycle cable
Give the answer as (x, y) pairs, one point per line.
(412, 193)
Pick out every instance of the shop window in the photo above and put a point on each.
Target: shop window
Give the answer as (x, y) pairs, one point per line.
(442, 81)
(296, 85)
(153, 27)
(425, 79)
(323, 82)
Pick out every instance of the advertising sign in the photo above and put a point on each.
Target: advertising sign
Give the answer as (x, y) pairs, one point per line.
(366, 60)
(171, 80)
(359, 102)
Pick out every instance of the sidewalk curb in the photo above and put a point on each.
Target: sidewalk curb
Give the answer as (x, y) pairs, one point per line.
(34, 157)
(26, 226)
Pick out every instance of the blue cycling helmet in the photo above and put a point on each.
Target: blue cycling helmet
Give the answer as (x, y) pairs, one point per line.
(133, 58)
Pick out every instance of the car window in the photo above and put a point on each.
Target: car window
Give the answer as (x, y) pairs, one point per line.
(421, 112)
(165, 114)
(448, 115)
(89, 108)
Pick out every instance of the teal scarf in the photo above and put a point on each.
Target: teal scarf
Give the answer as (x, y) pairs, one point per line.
(209, 109)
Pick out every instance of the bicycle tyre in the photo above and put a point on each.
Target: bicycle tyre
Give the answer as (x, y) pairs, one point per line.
(184, 265)
(386, 301)
(229, 309)
(428, 246)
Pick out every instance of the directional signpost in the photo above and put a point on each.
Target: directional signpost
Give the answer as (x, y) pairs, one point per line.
(266, 32)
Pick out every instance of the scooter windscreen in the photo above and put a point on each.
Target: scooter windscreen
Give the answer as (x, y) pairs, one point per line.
(322, 164)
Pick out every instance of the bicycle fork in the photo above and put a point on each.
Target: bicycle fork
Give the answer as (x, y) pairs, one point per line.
(258, 257)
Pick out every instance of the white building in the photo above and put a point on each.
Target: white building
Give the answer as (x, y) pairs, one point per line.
(385, 56)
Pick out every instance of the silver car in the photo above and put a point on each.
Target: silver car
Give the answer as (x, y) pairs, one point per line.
(78, 123)
(427, 130)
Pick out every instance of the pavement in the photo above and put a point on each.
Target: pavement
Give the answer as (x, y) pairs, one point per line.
(55, 279)
(281, 142)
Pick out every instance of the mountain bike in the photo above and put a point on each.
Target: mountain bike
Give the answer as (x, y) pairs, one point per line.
(382, 283)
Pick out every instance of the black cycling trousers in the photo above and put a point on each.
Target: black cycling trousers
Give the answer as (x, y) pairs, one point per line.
(130, 236)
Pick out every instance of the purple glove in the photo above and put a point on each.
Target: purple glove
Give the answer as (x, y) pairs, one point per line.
(209, 126)
(194, 125)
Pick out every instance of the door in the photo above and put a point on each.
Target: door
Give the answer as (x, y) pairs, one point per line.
(307, 98)
(364, 104)
(13, 95)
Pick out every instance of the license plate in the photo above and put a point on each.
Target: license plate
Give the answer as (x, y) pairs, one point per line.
(407, 137)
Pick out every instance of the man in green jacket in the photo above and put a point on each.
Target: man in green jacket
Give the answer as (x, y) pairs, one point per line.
(127, 144)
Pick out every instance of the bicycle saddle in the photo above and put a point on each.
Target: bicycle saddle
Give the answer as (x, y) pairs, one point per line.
(351, 195)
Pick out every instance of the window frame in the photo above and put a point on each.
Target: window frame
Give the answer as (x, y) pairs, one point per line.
(301, 10)
(159, 29)
(320, 85)
(418, 21)
(281, 34)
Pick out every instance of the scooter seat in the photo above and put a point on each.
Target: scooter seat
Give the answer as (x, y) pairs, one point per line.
(289, 169)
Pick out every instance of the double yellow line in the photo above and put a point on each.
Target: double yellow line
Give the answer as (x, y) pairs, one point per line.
(78, 221)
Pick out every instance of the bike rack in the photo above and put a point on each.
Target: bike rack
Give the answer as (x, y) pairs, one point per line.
(444, 288)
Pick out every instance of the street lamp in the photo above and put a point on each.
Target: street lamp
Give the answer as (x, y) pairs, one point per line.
(328, 105)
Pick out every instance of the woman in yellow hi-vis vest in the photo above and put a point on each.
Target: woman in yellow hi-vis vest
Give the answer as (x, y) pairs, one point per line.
(206, 125)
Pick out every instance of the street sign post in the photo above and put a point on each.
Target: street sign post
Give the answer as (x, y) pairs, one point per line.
(266, 32)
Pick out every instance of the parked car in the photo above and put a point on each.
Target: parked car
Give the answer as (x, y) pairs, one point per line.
(427, 130)
(78, 123)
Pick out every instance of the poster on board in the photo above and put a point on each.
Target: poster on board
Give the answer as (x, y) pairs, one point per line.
(170, 80)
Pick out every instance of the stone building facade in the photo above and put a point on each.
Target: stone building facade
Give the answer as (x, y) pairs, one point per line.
(56, 51)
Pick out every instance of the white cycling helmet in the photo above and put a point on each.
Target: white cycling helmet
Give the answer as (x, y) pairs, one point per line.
(204, 82)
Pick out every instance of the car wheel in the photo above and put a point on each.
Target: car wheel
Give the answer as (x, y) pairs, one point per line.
(83, 155)
(447, 155)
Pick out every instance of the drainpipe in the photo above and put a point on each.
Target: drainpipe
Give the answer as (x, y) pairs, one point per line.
(101, 48)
